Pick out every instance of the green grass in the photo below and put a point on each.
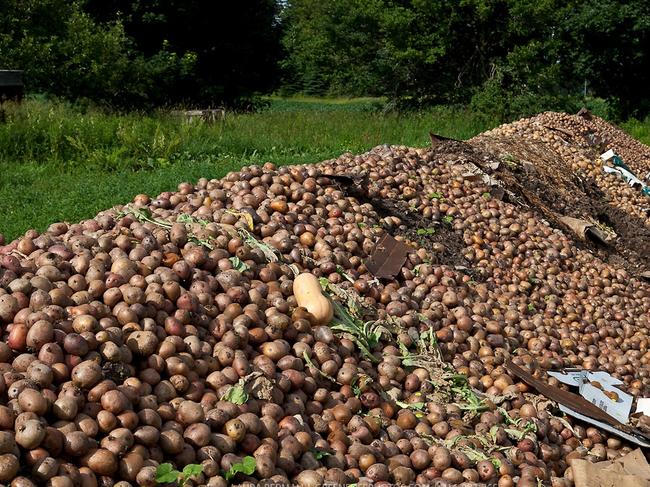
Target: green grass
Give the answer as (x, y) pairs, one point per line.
(302, 103)
(640, 130)
(60, 163)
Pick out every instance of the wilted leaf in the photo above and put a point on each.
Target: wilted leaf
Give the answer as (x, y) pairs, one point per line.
(238, 264)
(236, 394)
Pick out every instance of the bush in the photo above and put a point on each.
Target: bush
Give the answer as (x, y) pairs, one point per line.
(505, 100)
(64, 52)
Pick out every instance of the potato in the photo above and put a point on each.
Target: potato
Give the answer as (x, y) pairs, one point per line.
(144, 343)
(30, 434)
(7, 442)
(9, 467)
(309, 478)
(86, 374)
(101, 462)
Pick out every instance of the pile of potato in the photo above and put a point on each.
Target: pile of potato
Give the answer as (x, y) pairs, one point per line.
(189, 328)
(579, 142)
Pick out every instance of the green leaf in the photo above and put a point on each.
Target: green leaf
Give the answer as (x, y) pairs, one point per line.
(407, 360)
(355, 386)
(341, 271)
(319, 454)
(246, 466)
(192, 470)
(429, 336)
(474, 455)
(165, 473)
(425, 231)
(236, 394)
(249, 465)
(514, 434)
(238, 264)
(142, 213)
(418, 406)
(493, 433)
(187, 218)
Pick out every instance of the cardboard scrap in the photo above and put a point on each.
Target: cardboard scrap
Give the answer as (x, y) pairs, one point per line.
(637, 439)
(588, 404)
(575, 377)
(436, 139)
(585, 229)
(599, 388)
(584, 113)
(571, 400)
(388, 257)
(631, 470)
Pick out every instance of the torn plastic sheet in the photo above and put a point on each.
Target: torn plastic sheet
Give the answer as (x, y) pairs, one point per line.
(622, 171)
(643, 406)
(627, 436)
(629, 177)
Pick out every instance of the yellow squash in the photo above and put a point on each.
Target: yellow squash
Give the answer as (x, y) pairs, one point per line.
(309, 295)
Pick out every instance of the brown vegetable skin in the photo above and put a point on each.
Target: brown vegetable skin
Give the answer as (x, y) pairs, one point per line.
(309, 295)
(9, 466)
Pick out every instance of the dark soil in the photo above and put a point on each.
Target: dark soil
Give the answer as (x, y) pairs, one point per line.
(115, 371)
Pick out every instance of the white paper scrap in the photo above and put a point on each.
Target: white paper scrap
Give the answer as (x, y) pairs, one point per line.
(643, 406)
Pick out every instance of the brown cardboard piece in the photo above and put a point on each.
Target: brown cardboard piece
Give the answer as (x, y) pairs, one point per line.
(631, 470)
(388, 257)
(586, 230)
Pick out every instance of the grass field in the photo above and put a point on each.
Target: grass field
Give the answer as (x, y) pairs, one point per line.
(60, 163)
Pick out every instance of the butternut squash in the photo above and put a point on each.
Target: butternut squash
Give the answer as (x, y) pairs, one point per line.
(309, 295)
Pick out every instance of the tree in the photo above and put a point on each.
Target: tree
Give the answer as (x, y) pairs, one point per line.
(512, 57)
(64, 52)
(333, 46)
(234, 46)
(610, 42)
(130, 53)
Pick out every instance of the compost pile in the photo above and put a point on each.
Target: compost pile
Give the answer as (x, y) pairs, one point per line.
(168, 330)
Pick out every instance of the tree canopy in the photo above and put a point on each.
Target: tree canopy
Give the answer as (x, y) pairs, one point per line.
(508, 57)
(503, 55)
(140, 54)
